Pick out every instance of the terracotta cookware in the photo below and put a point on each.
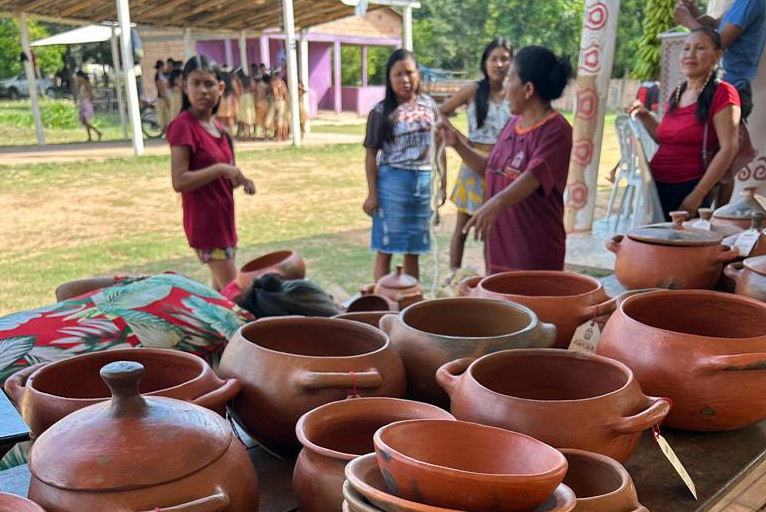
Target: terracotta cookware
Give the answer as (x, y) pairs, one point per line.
(734, 217)
(366, 317)
(564, 299)
(334, 434)
(136, 454)
(285, 263)
(371, 302)
(290, 365)
(563, 398)
(47, 392)
(428, 334)
(749, 276)
(13, 503)
(400, 288)
(704, 350)
(600, 483)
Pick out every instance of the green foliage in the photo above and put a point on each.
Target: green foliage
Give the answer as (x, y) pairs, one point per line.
(55, 114)
(48, 57)
(351, 64)
(658, 18)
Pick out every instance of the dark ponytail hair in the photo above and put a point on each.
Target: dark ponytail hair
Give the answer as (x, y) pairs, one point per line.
(705, 98)
(481, 97)
(548, 73)
(272, 295)
(389, 101)
(204, 63)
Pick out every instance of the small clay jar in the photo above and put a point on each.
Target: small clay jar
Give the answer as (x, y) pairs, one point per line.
(600, 483)
(735, 217)
(399, 287)
(749, 276)
(336, 433)
(285, 263)
(13, 503)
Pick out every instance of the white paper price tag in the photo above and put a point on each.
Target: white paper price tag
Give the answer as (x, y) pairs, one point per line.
(746, 241)
(673, 458)
(585, 338)
(701, 224)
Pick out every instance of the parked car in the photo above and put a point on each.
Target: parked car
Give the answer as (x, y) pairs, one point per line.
(18, 87)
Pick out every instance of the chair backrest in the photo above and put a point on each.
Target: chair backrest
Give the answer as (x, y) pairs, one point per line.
(626, 140)
(648, 207)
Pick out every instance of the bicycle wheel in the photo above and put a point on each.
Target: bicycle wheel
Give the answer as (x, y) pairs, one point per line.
(150, 124)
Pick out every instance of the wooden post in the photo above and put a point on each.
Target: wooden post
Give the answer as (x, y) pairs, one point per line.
(123, 17)
(188, 44)
(243, 52)
(292, 71)
(31, 78)
(364, 66)
(228, 56)
(407, 27)
(336, 77)
(265, 51)
(304, 53)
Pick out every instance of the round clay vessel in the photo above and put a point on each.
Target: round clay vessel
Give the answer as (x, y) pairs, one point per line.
(564, 299)
(290, 365)
(428, 334)
(670, 256)
(749, 276)
(47, 392)
(734, 217)
(400, 288)
(366, 317)
(334, 434)
(136, 453)
(563, 398)
(600, 483)
(285, 263)
(372, 302)
(13, 503)
(704, 350)
(467, 466)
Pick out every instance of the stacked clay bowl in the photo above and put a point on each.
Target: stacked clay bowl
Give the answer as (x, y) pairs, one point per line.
(13, 503)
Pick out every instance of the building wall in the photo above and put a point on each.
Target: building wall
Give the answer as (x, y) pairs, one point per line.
(376, 23)
(320, 74)
(158, 45)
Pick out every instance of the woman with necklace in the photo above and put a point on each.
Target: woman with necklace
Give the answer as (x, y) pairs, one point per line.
(686, 165)
(522, 219)
(203, 170)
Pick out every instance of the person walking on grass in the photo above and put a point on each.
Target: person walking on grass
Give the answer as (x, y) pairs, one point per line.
(85, 105)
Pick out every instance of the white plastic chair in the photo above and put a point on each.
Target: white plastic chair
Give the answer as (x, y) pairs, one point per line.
(628, 171)
(648, 209)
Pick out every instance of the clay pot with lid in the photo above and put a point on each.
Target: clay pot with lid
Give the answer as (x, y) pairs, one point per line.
(400, 288)
(563, 398)
(564, 299)
(734, 217)
(670, 256)
(285, 263)
(13, 503)
(428, 334)
(290, 365)
(749, 276)
(704, 350)
(336, 433)
(136, 454)
(47, 392)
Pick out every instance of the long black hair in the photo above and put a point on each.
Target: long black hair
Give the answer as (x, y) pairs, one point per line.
(204, 63)
(271, 295)
(705, 98)
(390, 102)
(481, 97)
(548, 73)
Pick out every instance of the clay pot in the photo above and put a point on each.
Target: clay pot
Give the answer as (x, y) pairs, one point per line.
(669, 256)
(735, 217)
(749, 276)
(428, 334)
(138, 454)
(704, 350)
(402, 289)
(285, 263)
(366, 317)
(365, 490)
(47, 392)
(290, 365)
(600, 483)
(372, 302)
(336, 433)
(564, 299)
(13, 503)
(563, 398)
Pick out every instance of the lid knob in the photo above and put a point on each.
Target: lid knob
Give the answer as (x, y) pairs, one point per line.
(705, 213)
(756, 220)
(399, 270)
(749, 190)
(122, 377)
(678, 219)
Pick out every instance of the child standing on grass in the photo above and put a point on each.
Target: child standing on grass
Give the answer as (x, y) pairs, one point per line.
(85, 104)
(203, 170)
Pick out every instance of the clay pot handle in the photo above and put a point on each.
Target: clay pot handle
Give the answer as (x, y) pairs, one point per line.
(340, 380)
(756, 220)
(749, 190)
(736, 362)
(386, 323)
(734, 270)
(678, 219)
(614, 243)
(547, 335)
(448, 375)
(16, 383)
(468, 285)
(653, 415)
(122, 377)
(727, 253)
(215, 503)
(705, 213)
(219, 396)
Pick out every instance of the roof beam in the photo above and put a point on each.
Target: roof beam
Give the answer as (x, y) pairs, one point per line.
(77, 7)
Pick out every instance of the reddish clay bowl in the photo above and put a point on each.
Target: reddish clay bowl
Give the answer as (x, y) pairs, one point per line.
(366, 317)
(365, 490)
(287, 264)
(467, 466)
(13, 503)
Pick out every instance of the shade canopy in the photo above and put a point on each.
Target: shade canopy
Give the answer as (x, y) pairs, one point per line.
(80, 35)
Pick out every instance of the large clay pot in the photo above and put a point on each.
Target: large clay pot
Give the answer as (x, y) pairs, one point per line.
(47, 392)
(334, 434)
(670, 256)
(285, 263)
(704, 350)
(136, 454)
(600, 483)
(290, 365)
(428, 334)
(737, 216)
(13, 503)
(563, 398)
(749, 276)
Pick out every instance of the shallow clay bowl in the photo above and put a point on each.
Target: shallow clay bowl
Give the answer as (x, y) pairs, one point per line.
(467, 466)
(13, 503)
(366, 491)
(366, 317)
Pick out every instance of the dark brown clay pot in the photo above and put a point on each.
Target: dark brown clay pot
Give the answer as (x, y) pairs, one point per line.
(366, 317)
(285, 263)
(47, 392)
(13, 503)
(749, 276)
(428, 334)
(563, 398)
(564, 299)
(290, 365)
(600, 483)
(136, 454)
(336, 433)
(737, 216)
(372, 302)
(704, 350)
(399, 287)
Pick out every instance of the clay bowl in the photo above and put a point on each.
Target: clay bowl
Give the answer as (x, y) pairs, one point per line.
(467, 466)
(365, 490)
(13, 503)
(285, 263)
(334, 434)
(600, 483)
(371, 302)
(366, 317)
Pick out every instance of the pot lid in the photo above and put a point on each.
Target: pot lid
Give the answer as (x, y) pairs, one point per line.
(756, 264)
(130, 441)
(397, 280)
(743, 208)
(674, 233)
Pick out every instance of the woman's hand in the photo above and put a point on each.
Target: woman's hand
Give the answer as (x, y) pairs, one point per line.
(249, 186)
(692, 202)
(637, 109)
(447, 133)
(370, 204)
(483, 220)
(232, 173)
